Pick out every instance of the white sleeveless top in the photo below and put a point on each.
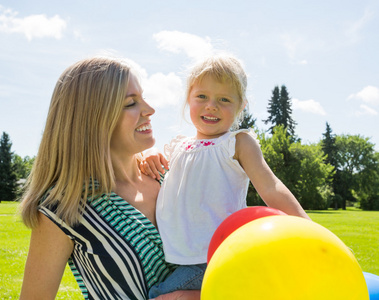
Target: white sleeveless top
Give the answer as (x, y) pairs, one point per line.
(203, 187)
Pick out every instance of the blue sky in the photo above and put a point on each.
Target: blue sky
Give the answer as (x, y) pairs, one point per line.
(325, 52)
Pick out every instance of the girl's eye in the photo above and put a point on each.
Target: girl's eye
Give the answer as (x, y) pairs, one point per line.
(201, 96)
(224, 100)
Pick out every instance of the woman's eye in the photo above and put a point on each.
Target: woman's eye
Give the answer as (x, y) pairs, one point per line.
(130, 104)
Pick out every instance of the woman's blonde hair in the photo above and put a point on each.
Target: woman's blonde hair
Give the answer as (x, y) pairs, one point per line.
(223, 68)
(73, 160)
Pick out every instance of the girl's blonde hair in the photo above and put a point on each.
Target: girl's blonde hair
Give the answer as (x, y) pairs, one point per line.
(73, 160)
(224, 68)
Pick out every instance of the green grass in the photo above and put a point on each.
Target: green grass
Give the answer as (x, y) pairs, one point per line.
(359, 230)
(14, 245)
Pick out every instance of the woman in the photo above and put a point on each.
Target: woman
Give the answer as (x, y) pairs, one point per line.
(86, 200)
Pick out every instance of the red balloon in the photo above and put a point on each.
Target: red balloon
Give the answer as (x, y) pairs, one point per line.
(236, 220)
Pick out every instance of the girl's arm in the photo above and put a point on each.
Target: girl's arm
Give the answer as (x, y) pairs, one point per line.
(48, 253)
(273, 192)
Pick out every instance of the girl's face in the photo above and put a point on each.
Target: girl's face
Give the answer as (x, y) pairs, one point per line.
(213, 107)
(133, 132)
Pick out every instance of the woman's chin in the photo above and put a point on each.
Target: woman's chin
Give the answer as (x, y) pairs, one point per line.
(149, 143)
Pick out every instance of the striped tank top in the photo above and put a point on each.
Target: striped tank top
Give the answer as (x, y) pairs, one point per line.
(117, 251)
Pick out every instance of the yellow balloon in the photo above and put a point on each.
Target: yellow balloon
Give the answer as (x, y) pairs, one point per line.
(283, 258)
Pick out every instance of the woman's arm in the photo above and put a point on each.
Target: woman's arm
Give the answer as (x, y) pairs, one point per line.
(273, 192)
(49, 251)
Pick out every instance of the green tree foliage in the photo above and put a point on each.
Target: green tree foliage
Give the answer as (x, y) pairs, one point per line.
(8, 178)
(337, 170)
(313, 176)
(357, 170)
(370, 199)
(23, 166)
(328, 144)
(286, 112)
(280, 111)
(247, 122)
(305, 174)
(273, 109)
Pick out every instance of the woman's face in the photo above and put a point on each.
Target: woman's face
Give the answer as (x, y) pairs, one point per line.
(133, 132)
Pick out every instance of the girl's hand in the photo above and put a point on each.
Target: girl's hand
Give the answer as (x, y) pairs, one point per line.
(152, 163)
(180, 295)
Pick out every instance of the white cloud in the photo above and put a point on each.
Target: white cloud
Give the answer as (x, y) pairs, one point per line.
(366, 111)
(162, 90)
(310, 106)
(158, 89)
(78, 35)
(293, 44)
(192, 45)
(33, 26)
(369, 94)
(355, 28)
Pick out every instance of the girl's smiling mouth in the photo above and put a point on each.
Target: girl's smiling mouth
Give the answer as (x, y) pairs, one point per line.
(210, 119)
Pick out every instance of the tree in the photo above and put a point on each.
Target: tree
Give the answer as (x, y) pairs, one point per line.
(247, 122)
(357, 168)
(22, 166)
(273, 109)
(305, 174)
(328, 144)
(286, 112)
(8, 178)
(280, 111)
(313, 177)
(370, 200)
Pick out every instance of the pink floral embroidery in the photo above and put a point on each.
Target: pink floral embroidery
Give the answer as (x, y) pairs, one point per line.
(190, 145)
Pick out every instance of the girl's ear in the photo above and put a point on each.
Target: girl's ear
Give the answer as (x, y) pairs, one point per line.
(243, 106)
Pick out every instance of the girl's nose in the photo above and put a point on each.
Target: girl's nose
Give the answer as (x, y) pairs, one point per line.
(211, 105)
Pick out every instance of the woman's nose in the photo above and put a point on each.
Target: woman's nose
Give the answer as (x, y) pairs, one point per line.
(147, 109)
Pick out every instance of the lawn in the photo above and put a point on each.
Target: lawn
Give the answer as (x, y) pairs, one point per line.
(358, 229)
(14, 244)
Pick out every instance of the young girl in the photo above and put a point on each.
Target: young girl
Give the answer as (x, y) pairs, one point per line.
(209, 173)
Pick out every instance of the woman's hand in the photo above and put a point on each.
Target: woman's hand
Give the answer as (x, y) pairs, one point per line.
(152, 163)
(180, 295)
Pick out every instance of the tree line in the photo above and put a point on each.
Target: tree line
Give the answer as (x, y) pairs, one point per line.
(336, 171)
(13, 169)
